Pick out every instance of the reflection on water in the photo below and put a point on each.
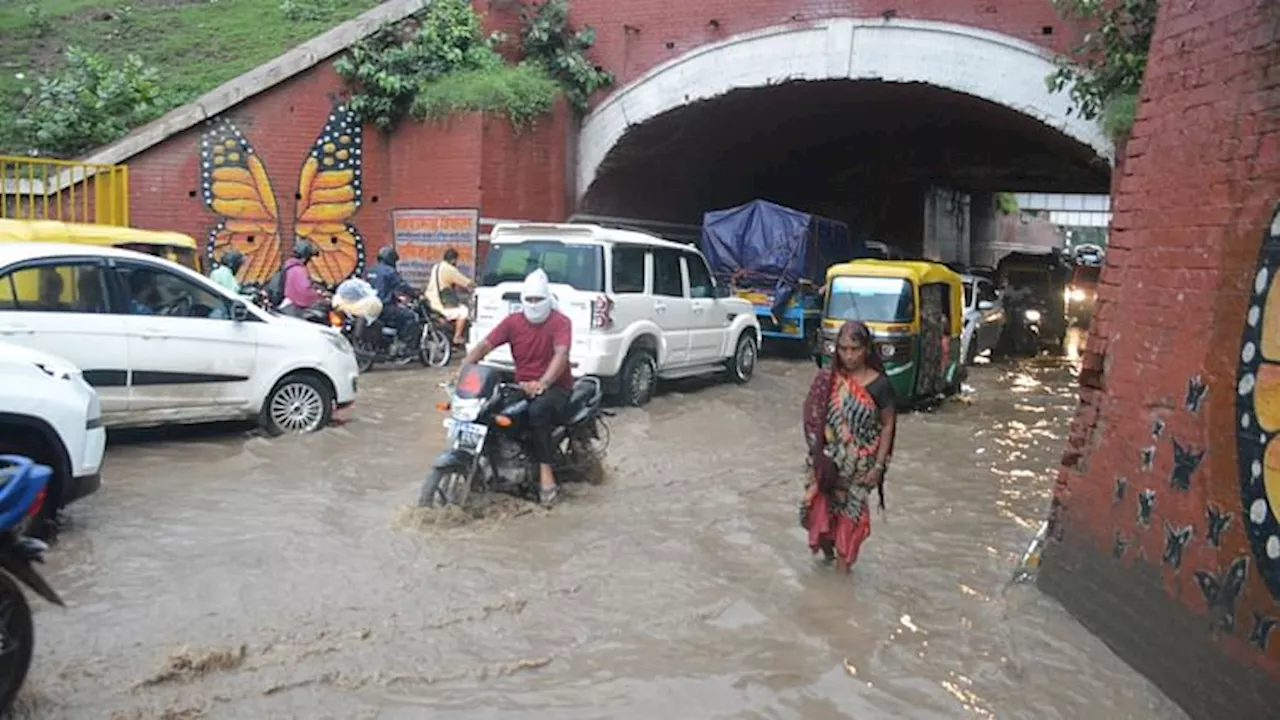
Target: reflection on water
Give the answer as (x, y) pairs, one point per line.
(681, 587)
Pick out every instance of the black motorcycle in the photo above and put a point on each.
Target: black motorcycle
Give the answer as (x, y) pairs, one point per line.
(374, 341)
(489, 440)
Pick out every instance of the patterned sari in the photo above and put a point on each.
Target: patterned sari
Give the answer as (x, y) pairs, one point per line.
(842, 428)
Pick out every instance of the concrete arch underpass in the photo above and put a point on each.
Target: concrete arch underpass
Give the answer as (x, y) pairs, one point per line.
(853, 119)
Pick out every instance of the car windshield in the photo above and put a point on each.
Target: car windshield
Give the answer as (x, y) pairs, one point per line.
(871, 299)
(576, 265)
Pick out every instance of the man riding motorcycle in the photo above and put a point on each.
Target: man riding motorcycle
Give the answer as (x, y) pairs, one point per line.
(388, 283)
(442, 293)
(299, 292)
(540, 337)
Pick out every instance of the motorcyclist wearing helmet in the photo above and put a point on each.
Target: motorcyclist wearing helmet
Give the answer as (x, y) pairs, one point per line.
(388, 283)
(299, 292)
(227, 267)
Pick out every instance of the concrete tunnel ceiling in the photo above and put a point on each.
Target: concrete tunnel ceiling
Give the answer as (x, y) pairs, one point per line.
(829, 127)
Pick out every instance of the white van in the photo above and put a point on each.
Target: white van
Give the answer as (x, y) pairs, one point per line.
(162, 344)
(642, 307)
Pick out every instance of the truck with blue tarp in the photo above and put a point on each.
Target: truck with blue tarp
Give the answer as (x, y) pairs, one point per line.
(777, 257)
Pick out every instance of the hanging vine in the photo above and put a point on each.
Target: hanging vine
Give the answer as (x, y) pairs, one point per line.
(1104, 71)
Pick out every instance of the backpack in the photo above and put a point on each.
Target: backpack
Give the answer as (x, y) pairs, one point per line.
(275, 288)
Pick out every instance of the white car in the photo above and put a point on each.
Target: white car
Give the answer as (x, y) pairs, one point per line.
(49, 414)
(984, 317)
(162, 344)
(642, 308)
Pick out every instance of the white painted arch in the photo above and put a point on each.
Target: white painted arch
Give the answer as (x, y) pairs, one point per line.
(981, 63)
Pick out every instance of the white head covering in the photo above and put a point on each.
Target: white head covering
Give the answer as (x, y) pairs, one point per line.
(536, 285)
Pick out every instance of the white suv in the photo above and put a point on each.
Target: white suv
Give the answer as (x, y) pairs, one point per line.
(51, 415)
(642, 308)
(162, 344)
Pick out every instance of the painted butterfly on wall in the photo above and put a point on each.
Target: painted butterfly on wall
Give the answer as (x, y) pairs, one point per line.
(236, 187)
(1258, 413)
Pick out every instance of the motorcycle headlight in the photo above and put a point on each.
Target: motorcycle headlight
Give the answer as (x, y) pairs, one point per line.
(1076, 295)
(1032, 315)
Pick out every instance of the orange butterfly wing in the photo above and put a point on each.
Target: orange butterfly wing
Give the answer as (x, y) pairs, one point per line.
(329, 195)
(235, 187)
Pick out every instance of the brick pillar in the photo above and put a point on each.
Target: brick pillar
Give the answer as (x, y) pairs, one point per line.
(1162, 519)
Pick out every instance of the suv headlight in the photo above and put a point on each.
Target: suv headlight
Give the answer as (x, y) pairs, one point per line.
(1032, 315)
(58, 370)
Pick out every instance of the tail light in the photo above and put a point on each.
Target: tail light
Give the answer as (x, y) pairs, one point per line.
(602, 313)
(38, 504)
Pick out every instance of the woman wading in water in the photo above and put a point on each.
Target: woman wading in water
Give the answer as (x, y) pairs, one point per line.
(849, 423)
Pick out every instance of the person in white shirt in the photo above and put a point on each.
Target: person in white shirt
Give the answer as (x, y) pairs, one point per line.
(442, 289)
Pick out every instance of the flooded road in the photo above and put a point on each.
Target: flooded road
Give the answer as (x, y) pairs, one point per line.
(222, 575)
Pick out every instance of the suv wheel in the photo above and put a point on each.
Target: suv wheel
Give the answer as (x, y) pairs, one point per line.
(743, 363)
(639, 378)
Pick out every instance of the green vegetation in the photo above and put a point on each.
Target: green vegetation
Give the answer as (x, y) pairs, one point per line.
(1104, 70)
(447, 65)
(1007, 203)
(195, 44)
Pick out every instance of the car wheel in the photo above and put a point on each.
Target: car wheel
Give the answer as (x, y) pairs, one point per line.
(639, 378)
(743, 363)
(299, 403)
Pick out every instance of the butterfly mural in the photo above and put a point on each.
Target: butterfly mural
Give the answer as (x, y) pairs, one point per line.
(1258, 413)
(236, 187)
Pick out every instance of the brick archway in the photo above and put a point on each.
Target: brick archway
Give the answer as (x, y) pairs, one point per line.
(981, 63)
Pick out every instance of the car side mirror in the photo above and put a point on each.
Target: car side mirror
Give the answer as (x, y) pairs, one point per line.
(239, 311)
(722, 291)
(985, 305)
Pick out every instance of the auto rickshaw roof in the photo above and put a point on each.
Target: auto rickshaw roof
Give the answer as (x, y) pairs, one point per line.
(920, 271)
(90, 234)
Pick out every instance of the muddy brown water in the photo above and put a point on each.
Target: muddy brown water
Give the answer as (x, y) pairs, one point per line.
(223, 575)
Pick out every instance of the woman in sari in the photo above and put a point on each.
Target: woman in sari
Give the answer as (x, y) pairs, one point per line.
(849, 423)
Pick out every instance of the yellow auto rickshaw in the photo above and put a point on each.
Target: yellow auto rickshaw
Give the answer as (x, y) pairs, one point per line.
(915, 311)
(174, 246)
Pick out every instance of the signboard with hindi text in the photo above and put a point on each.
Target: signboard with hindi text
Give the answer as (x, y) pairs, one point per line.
(422, 236)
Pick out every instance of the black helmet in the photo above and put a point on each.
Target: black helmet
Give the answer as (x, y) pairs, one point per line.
(232, 260)
(388, 256)
(304, 250)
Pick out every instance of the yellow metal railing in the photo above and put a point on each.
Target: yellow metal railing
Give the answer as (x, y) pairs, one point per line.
(66, 190)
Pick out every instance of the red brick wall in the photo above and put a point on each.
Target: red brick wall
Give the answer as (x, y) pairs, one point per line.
(1193, 202)
(466, 161)
(633, 37)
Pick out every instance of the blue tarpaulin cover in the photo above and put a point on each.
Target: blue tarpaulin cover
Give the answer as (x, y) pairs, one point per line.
(765, 246)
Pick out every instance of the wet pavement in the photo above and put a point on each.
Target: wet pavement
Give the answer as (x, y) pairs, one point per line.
(223, 575)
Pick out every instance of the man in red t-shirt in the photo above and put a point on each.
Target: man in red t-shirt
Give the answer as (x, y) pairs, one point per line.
(539, 336)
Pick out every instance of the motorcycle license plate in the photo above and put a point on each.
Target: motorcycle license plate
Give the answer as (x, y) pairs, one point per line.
(466, 435)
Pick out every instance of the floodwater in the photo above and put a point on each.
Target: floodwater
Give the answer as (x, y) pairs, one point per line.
(223, 575)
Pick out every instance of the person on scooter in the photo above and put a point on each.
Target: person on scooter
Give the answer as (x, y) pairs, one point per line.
(225, 273)
(539, 337)
(388, 283)
(299, 292)
(445, 282)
